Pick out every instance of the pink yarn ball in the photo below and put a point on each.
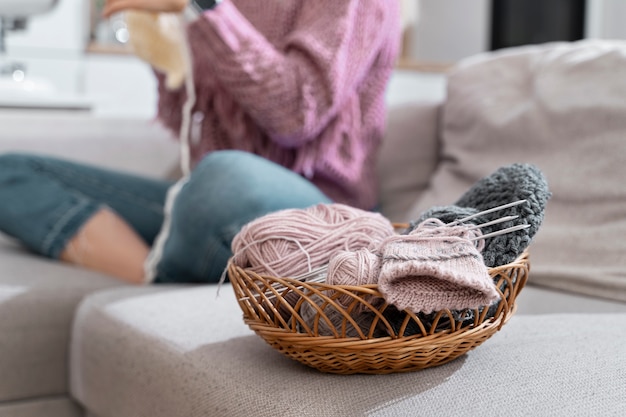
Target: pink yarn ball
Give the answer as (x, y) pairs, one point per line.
(360, 267)
(292, 242)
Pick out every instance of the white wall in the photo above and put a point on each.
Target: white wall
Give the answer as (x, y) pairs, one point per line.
(51, 49)
(120, 86)
(53, 52)
(406, 87)
(61, 32)
(606, 19)
(449, 30)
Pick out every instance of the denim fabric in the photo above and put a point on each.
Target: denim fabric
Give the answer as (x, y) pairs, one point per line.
(45, 201)
(226, 190)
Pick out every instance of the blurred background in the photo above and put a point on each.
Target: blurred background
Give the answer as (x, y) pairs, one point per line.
(67, 57)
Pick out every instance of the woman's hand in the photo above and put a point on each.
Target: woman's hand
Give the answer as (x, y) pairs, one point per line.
(115, 6)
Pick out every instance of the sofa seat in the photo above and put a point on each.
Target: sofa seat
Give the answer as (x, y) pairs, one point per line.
(186, 352)
(52, 406)
(37, 302)
(130, 344)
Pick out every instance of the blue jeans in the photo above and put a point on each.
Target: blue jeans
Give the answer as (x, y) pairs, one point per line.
(45, 201)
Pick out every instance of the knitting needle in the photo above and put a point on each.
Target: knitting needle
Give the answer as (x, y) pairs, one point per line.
(313, 273)
(491, 223)
(502, 232)
(491, 210)
(280, 291)
(316, 275)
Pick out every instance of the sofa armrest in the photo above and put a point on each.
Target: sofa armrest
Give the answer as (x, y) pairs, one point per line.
(409, 155)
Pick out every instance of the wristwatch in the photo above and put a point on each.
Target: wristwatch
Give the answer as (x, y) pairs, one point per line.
(204, 5)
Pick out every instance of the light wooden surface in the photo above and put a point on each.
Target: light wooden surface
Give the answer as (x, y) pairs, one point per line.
(422, 66)
(110, 49)
(404, 62)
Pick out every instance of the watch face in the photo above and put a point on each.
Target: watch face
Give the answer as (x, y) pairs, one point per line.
(205, 4)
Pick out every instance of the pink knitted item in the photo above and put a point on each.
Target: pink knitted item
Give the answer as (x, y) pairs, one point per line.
(301, 83)
(435, 268)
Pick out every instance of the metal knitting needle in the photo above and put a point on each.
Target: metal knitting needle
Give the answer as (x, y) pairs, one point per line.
(282, 290)
(316, 275)
(491, 210)
(322, 270)
(491, 223)
(502, 232)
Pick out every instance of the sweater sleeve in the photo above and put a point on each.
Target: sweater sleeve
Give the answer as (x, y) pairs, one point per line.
(293, 91)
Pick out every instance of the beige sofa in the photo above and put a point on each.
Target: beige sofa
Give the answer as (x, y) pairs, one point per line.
(77, 343)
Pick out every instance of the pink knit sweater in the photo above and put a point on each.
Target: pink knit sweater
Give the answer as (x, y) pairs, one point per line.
(300, 82)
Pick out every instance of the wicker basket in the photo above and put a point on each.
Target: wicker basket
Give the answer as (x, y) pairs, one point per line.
(390, 341)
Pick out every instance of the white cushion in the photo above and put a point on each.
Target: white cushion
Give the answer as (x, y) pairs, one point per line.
(561, 107)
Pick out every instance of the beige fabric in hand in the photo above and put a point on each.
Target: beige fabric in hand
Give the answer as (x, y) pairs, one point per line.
(159, 39)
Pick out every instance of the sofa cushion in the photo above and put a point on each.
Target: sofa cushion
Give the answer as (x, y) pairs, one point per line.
(408, 156)
(60, 406)
(183, 352)
(157, 351)
(542, 300)
(37, 302)
(137, 146)
(561, 107)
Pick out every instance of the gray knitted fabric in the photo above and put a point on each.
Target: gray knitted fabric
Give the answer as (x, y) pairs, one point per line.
(506, 185)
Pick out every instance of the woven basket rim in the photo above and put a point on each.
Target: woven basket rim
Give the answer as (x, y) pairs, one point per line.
(376, 354)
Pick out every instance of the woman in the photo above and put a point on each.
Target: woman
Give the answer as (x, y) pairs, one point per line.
(286, 110)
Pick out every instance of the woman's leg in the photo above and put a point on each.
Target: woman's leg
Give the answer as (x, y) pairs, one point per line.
(224, 192)
(107, 243)
(90, 216)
